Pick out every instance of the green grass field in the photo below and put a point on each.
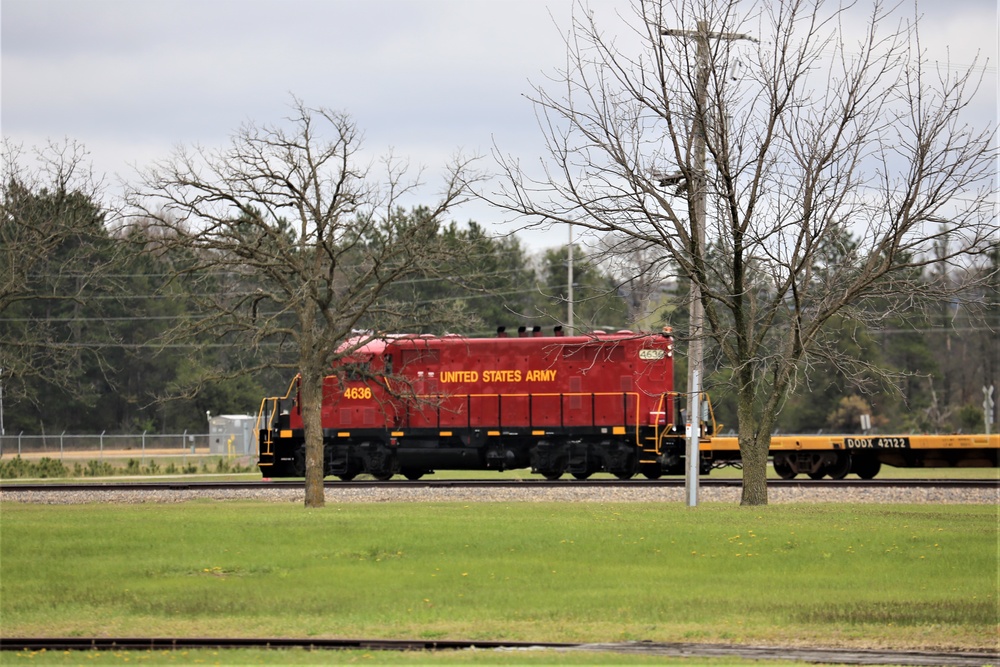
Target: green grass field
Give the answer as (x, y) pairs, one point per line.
(876, 575)
(353, 657)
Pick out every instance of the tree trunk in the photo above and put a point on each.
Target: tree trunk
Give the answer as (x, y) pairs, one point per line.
(312, 404)
(754, 443)
(754, 453)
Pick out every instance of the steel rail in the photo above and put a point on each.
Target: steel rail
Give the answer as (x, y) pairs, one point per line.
(195, 485)
(843, 656)
(169, 643)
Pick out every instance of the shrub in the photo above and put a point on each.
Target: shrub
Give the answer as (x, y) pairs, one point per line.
(99, 469)
(47, 467)
(14, 468)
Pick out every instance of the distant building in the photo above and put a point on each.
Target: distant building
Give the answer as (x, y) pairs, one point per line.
(232, 434)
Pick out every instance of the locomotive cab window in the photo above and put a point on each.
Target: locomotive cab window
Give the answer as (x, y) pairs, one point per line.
(426, 356)
(356, 370)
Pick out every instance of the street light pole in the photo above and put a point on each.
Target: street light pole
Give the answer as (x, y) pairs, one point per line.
(2, 432)
(696, 358)
(698, 193)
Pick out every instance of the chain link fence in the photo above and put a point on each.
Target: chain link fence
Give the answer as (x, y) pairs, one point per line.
(181, 446)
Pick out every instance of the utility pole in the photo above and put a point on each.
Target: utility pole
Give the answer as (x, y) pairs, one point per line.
(988, 405)
(569, 281)
(698, 194)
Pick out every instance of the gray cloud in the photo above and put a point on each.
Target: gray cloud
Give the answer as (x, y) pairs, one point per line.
(132, 78)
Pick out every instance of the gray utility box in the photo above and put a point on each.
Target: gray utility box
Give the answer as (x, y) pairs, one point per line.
(232, 434)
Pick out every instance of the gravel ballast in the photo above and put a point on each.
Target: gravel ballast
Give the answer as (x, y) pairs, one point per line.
(596, 494)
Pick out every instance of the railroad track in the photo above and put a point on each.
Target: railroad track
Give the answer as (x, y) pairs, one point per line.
(675, 649)
(195, 485)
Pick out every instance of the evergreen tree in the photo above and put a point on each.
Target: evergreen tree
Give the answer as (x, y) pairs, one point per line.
(597, 301)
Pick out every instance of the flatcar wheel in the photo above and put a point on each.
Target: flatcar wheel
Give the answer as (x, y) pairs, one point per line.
(819, 474)
(382, 475)
(347, 476)
(865, 467)
(839, 468)
(413, 475)
(783, 468)
(580, 475)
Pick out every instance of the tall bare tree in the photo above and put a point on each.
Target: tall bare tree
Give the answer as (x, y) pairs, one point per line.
(311, 236)
(766, 129)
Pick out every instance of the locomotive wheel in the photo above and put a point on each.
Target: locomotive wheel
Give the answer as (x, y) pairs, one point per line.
(651, 470)
(625, 474)
(379, 461)
(345, 468)
(552, 475)
(299, 463)
(581, 475)
(413, 475)
(819, 474)
(624, 463)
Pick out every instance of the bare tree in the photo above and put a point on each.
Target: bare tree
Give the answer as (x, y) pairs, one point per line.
(685, 128)
(311, 238)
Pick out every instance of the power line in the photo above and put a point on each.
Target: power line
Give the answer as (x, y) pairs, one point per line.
(189, 316)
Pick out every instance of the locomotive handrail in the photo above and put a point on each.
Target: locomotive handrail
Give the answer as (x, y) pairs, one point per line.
(270, 419)
(706, 433)
(265, 446)
(658, 435)
(711, 414)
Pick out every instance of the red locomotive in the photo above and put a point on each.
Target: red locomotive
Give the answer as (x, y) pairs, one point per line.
(412, 404)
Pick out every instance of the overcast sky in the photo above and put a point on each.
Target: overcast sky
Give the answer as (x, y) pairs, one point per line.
(132, 78)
